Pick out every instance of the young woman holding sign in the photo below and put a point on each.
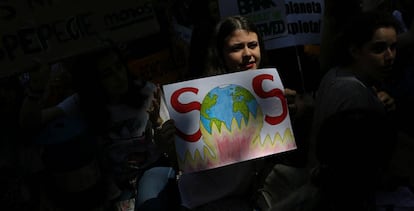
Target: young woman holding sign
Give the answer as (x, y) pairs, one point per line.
(236, 46)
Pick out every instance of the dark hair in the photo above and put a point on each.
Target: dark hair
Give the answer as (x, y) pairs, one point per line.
(359, 30)
(224, 28)
(93, 98)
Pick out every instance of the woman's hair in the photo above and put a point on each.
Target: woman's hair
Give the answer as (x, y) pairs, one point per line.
(359, 30)
(224, 28)
(93, 98)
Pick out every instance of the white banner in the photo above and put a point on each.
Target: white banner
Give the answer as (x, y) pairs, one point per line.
(282, 23)
(52, 29)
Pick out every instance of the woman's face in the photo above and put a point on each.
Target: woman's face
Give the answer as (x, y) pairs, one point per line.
(376, 57)
(241, 51)
(113, 75)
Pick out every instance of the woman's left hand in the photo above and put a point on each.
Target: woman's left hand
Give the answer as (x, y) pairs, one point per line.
(164, 139)
(387, 100)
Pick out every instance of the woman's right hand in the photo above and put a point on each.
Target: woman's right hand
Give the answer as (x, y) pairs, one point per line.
(164, 137)
(298, 104)
(291, 98)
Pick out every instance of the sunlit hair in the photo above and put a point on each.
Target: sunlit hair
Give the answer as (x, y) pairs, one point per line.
(224, 28)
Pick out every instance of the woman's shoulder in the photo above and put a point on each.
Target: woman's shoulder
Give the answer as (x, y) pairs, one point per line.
(338, 79)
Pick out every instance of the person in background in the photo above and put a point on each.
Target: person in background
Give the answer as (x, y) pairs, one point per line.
(363, 61)
(43, 88)
(354, 136)
(39, 108)
(336, 16)
(236, 45)
(347, 179)
(120, 112)
(400, 87)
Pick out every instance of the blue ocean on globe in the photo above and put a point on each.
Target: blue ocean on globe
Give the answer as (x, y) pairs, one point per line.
(224, 103)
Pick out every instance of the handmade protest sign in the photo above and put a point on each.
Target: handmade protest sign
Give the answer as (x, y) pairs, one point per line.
(49, 30)
(229, 118)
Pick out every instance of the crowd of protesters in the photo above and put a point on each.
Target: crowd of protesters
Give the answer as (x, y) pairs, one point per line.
(85, 133)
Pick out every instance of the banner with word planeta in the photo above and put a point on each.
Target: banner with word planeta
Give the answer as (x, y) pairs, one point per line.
(282, 23)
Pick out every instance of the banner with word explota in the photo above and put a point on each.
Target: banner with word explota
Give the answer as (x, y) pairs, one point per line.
(282, 23)
(229, 118)
(48, 30)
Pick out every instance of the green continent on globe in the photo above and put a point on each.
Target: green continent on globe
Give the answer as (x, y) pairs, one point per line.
(224, 104)
(240, 97)
(208, 102)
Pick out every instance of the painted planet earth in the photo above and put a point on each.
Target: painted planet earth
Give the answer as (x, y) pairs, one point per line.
(225, 103)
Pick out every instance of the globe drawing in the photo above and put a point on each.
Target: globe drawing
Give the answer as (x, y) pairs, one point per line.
(230, 119)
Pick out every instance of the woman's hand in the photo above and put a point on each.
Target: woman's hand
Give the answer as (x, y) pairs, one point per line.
(291, 96)
(154, 109)
(164, 138)
(387, 100)
(164, 135)
(298, 104)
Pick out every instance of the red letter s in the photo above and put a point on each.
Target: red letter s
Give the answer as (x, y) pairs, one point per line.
(257, 87)
(185, 108)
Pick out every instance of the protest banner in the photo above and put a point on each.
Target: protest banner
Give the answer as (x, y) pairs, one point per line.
(229, 118)
(282, 23)
(48, 30)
